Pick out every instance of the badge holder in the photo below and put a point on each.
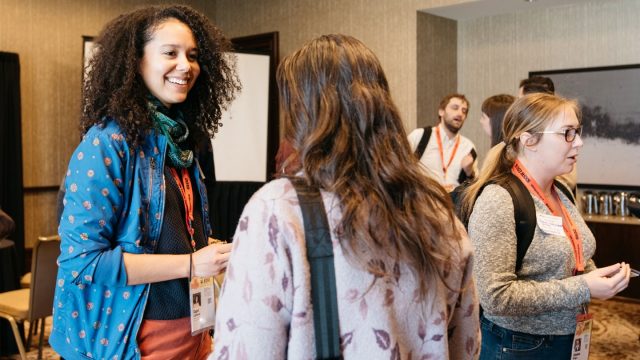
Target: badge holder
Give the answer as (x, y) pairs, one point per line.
(202, 295)
(582, 336)
(201, 289)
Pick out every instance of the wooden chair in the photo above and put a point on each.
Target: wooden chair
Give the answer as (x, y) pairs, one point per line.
(36, 302)
(25, 283)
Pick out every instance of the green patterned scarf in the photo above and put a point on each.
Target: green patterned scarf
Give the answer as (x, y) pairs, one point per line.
(176, 132)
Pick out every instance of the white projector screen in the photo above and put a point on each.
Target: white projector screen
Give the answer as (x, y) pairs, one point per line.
(240, 146)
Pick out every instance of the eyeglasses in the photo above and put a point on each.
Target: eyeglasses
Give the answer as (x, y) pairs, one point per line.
(569, 133)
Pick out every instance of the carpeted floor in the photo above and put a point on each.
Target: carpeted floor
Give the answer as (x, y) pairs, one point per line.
(616, 332)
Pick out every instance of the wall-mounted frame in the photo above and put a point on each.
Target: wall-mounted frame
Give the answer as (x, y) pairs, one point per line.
(608, 98)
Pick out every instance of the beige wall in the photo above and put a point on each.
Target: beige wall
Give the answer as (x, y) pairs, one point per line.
(437, 65)
(494, 53)
(47, 35)
(388, 27)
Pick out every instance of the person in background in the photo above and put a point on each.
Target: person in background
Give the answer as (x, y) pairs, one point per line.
(531, 313)
(449, 156)
(135, 225)
(7, 225)
(402, 259)
(493, 110)
(536, 84)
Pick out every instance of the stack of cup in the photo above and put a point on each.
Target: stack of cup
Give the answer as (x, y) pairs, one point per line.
(590, 203)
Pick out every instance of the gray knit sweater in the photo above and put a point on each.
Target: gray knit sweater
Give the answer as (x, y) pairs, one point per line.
(542, 297)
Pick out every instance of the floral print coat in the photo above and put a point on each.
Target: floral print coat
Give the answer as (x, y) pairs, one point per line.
(265, 309)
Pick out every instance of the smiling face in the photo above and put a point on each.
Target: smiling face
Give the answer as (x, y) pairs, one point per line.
(169, 65)
(558, 155)
(454, 114)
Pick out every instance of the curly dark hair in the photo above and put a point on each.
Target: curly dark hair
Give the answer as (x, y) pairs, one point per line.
(115, 89)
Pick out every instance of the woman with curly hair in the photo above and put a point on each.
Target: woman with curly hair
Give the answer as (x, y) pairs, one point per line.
(402, 260)
(135, 226)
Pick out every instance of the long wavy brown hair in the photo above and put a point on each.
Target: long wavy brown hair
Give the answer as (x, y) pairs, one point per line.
(340, 119)
(115, 89)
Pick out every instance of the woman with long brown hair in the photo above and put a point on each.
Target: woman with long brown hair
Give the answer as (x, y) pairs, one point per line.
(402, 260)
(530, 311)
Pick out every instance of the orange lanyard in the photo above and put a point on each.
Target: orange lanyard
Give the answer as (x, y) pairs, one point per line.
(441, 149)
(569, 227)
(187, 196)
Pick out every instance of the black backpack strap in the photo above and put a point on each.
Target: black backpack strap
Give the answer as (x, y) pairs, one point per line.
(424, 140)
(462, 177)
(524, 211)
(565, 189)
(324, 297)
(456, 198)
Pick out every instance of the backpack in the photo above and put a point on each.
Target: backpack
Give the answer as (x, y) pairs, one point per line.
(422, 146)
(524, 210)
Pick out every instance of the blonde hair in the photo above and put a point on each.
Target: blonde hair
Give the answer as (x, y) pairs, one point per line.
(531, 114)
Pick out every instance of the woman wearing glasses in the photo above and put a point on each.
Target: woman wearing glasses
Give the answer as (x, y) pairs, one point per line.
(531, 312)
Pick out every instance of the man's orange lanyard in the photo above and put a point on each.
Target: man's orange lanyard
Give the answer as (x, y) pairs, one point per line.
(453, 153)
(570, 229)
(187, 196)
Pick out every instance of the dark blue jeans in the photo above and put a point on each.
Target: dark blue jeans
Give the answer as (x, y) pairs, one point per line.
(499, 343)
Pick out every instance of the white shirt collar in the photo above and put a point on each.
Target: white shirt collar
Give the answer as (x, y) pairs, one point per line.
(443, 134)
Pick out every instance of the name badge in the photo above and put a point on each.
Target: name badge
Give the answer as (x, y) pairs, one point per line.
(582, 337)
(203, 308)
(551, 225)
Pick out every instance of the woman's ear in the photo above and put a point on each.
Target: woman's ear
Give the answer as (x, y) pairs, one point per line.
(528, 141)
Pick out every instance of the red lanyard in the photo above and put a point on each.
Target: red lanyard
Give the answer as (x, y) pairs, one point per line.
(187, 196)
(568, 225)
(453, 153)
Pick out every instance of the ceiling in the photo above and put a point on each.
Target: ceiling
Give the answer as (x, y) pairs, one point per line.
(472, 9)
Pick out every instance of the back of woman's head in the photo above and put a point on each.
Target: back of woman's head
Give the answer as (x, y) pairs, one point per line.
(340, 119)
(531, 114)
(114, 87)
(495, 107)
(335, 96)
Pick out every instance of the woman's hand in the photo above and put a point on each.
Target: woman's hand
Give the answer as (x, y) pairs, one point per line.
(606, 282)
(211, 260)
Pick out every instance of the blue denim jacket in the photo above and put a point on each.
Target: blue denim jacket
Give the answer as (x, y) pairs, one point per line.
(114, 203)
